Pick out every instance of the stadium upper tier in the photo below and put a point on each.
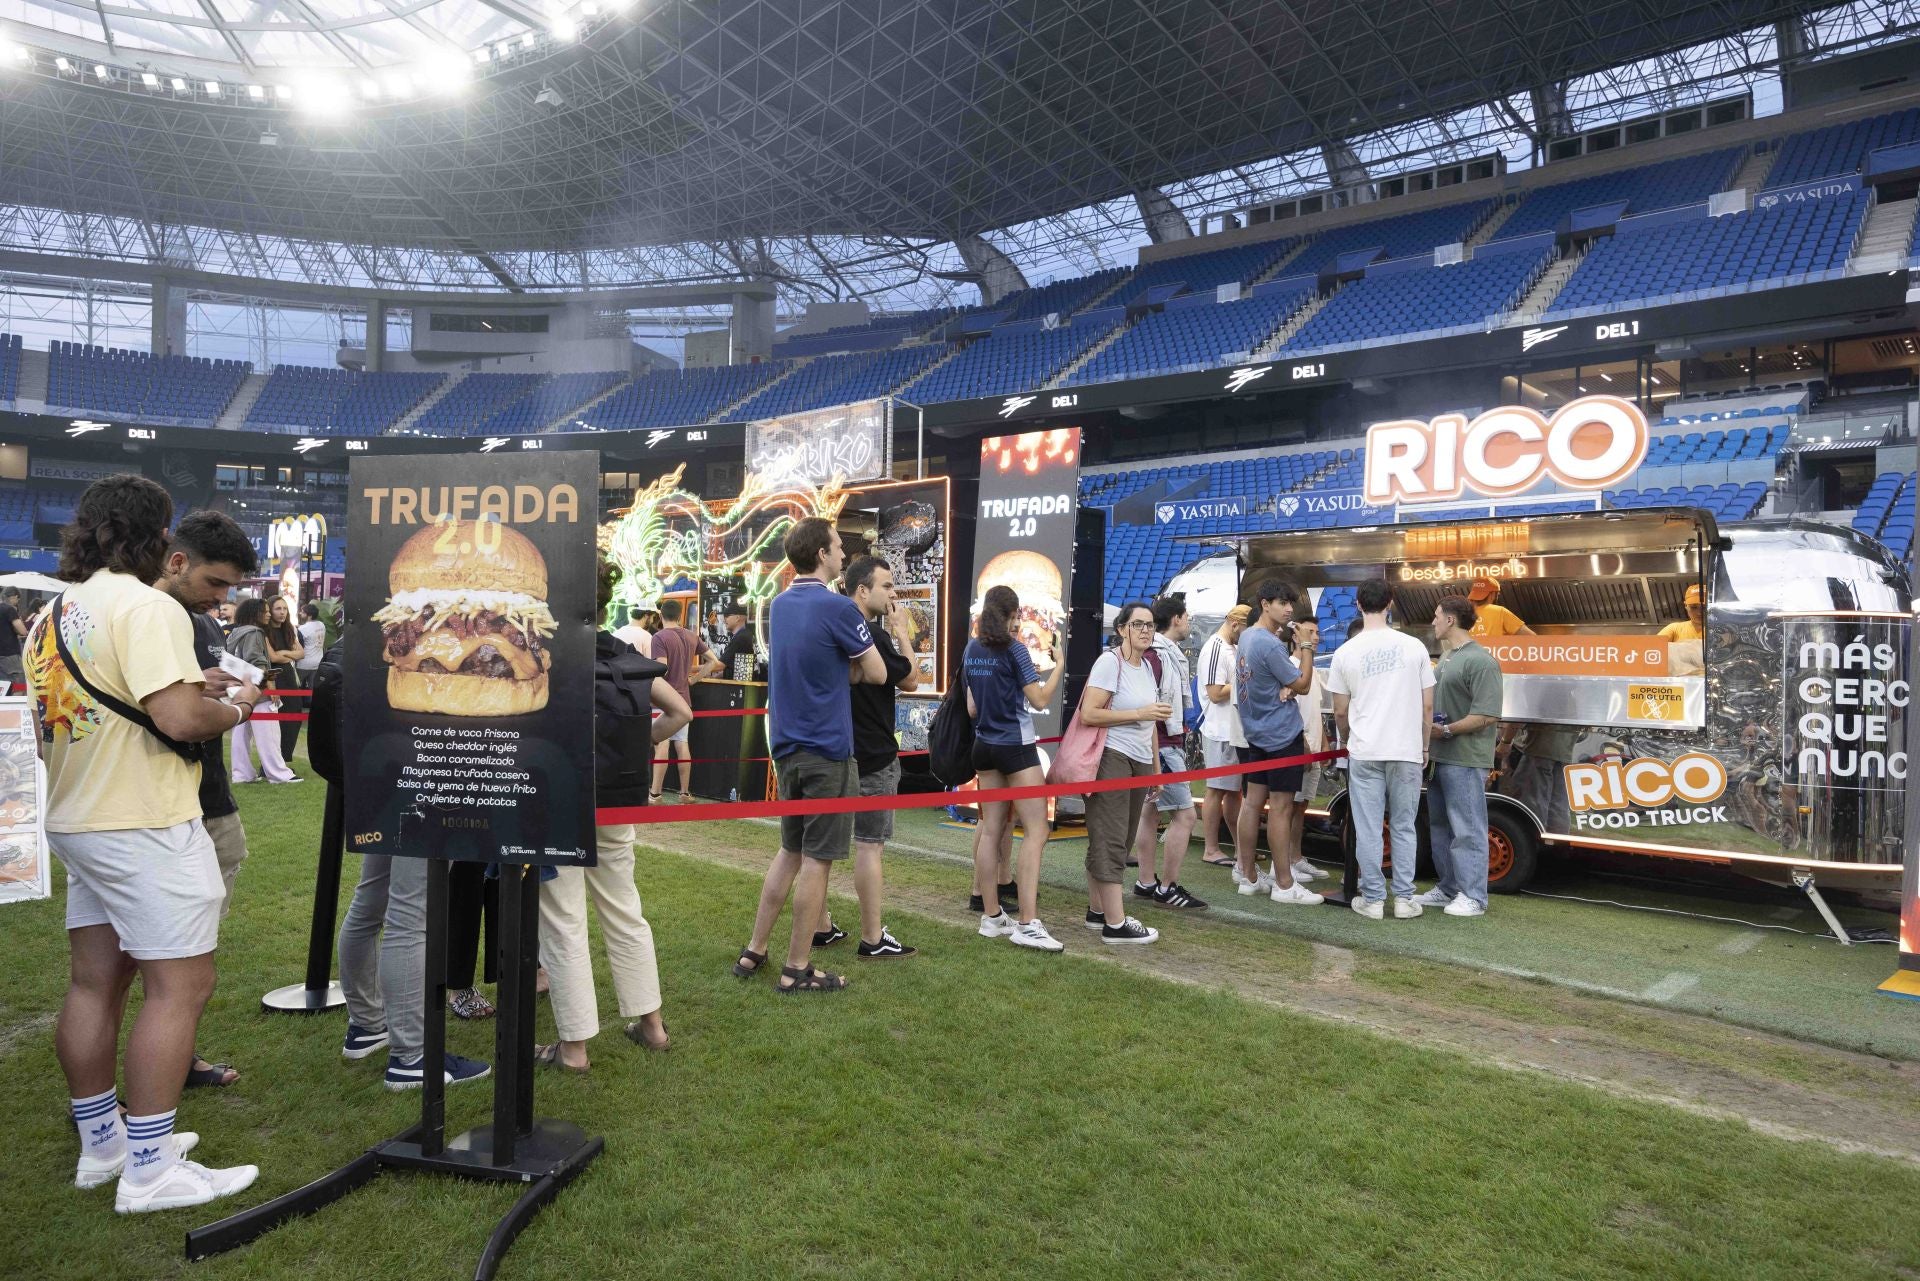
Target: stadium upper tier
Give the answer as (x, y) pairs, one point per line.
(1645, 234)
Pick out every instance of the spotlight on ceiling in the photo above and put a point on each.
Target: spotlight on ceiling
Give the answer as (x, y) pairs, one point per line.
(62, 65)
(99, 71)
(549, 98)
(150, 80)
(269, 139)
(179, 85)
(256, 92)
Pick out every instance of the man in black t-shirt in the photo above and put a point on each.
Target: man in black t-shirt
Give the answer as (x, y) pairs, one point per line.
(12, 631)
(876, 751)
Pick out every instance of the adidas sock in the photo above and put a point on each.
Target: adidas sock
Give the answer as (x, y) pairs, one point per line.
(150, 1150)
(98, 1120)
(1144, 885)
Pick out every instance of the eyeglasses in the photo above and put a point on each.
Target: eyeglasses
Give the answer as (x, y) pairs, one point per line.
(1140, 622)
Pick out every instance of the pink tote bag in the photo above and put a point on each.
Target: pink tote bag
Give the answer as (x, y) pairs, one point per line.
(1078, 758)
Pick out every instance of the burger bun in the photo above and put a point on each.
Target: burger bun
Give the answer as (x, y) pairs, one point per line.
(502, 559)
(454, 694)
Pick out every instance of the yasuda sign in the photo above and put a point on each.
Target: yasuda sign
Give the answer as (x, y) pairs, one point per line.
(1590, 443)
(1179, 513)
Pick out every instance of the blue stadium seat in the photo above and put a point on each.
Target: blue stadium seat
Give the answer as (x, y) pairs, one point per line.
(1409, 302)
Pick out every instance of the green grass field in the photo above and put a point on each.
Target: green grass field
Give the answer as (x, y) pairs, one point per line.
(975, 1109)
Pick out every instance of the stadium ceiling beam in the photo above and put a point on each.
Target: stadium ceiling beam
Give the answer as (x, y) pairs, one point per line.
(999, 274)
(331, 36)
(1345, 170)
(1164, 222)
(519, 13)
(232, 41)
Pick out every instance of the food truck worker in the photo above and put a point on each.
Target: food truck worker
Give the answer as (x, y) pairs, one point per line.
(1684, 657)
(1493, 620)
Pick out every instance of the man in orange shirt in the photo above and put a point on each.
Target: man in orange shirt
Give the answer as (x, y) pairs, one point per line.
(1493, 620)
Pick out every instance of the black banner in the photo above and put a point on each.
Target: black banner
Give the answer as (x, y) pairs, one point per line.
(469, 662)
(1023, 539)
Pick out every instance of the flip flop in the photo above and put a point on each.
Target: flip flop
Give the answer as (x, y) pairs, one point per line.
(1225, 860)
(549, 1056)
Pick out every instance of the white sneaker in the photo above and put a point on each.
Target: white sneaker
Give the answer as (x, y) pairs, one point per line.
(1368, 908)
(1305, 871)
(1237, 878)
(1295, 893)
(94, 1171)
(1405, 909)
(1435, 897)
(1261, 884)
(1034, 935)
(993, 927)
(1464, 906)
(185, 1183)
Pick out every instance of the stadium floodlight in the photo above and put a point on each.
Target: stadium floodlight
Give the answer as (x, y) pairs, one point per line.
(549, 98)
(482, 55)
(526, 41)
(399, 84)
(269, 139)
(256, 92)
(564, 30)
(150, 80)
(283, 92)
(62, 65)
(99, 71)
(22, 54)
(179, 85)
(213, 88)
(370, 89)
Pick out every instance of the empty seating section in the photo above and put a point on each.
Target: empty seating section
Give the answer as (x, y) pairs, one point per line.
(842, 380)
(1062, 296)
(1646, 188)
(1727, 501)
(1002, 363)
(1396, 237)
(16, 513)
(553, 397)
(1716, 446)
(1204, 272)
(1840, 149)
(910, 324)
(1728, 253)
(345, 402)
(682, 397)
(472, 399)
(10, 348)
(1887, 511)
(189, 390)
(1410, 302)
(1193, 337)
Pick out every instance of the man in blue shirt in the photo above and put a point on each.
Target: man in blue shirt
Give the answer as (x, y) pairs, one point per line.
(819, 645)
(1270, 678)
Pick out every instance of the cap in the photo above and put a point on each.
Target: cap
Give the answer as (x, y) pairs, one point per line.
(1483, 589)
(1239, 613)
(1694, 597)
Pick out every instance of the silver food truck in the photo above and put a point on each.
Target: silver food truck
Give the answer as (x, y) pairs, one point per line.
(1773, 745)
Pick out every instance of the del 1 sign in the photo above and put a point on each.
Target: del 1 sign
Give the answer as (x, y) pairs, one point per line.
(1590, 443)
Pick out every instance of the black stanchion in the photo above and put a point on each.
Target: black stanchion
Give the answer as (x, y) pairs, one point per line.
(318, 993)
(517, 1147)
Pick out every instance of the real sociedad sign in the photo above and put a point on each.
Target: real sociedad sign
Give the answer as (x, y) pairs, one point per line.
(1590, 443)
(1179, 512)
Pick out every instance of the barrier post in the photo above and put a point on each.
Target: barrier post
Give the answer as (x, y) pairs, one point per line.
(318, 993)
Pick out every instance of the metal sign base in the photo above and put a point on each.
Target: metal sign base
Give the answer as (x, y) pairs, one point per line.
(516, 1148)
(298, 998)
(318, 994)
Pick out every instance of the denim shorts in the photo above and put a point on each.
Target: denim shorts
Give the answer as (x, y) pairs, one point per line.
(1172, 797)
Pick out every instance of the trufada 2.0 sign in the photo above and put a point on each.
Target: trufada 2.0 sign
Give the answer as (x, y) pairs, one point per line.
(469, 661)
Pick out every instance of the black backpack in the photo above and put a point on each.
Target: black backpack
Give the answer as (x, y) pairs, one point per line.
(950, 738)
(323, 717)
(623, 724)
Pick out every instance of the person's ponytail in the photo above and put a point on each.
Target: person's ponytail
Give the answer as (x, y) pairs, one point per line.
(997, 610)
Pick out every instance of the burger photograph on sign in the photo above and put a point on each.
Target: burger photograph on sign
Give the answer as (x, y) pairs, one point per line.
(465, 620)
(1035, 579)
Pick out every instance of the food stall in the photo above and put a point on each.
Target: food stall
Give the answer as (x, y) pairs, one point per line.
(1778, 750)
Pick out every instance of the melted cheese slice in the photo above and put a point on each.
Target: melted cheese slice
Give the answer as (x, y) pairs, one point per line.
(451, 651)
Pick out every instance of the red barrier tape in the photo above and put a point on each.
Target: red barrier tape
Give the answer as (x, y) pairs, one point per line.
(767, 760)
(648, 814)
(278, 716)
(730, 711)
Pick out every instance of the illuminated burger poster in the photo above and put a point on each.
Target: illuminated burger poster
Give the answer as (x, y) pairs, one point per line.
(469, 657)
(1023, 538)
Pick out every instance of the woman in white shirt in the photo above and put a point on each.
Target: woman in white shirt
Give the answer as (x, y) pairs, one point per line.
(1122, 697)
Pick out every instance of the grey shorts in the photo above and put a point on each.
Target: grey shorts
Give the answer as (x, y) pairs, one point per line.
(1309, 784)
(158, 887)
(874, 826)
(1218, 752)
(1173, 797)
(804, 776)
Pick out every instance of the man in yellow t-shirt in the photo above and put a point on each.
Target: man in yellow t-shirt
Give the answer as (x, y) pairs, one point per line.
(1493, 620)
(123, 814)
(1685, 639)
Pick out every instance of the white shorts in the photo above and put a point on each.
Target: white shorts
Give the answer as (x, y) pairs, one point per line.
(1310, 785)
(158, 887)
(1216, 752)
(679, 735)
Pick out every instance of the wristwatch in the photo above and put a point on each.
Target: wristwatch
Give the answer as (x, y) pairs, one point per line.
(1446, 730)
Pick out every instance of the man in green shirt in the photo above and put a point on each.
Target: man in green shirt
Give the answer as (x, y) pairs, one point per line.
(1466, 713)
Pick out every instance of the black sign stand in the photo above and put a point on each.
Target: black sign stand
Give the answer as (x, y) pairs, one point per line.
(516, 1148)
(318, 993)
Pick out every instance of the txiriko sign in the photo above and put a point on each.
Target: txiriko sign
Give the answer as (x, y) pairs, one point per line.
(1590, 443)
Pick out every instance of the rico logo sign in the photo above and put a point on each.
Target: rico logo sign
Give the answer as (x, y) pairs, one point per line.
(1591, 443)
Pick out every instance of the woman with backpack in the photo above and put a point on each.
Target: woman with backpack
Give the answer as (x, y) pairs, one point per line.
(1003, 689)
(626, 688)
(1123, 698)
(248, 641)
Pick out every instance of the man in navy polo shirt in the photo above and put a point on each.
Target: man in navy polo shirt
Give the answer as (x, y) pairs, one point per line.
(819, 646)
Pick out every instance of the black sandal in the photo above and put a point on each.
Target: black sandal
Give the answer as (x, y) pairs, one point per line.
(759, 959)
(216, 1076)
(809, 980)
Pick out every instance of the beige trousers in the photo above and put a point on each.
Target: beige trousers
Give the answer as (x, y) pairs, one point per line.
(230, 849)
(624, 933)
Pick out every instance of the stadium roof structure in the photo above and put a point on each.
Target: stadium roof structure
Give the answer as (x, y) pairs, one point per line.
(485, 128)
